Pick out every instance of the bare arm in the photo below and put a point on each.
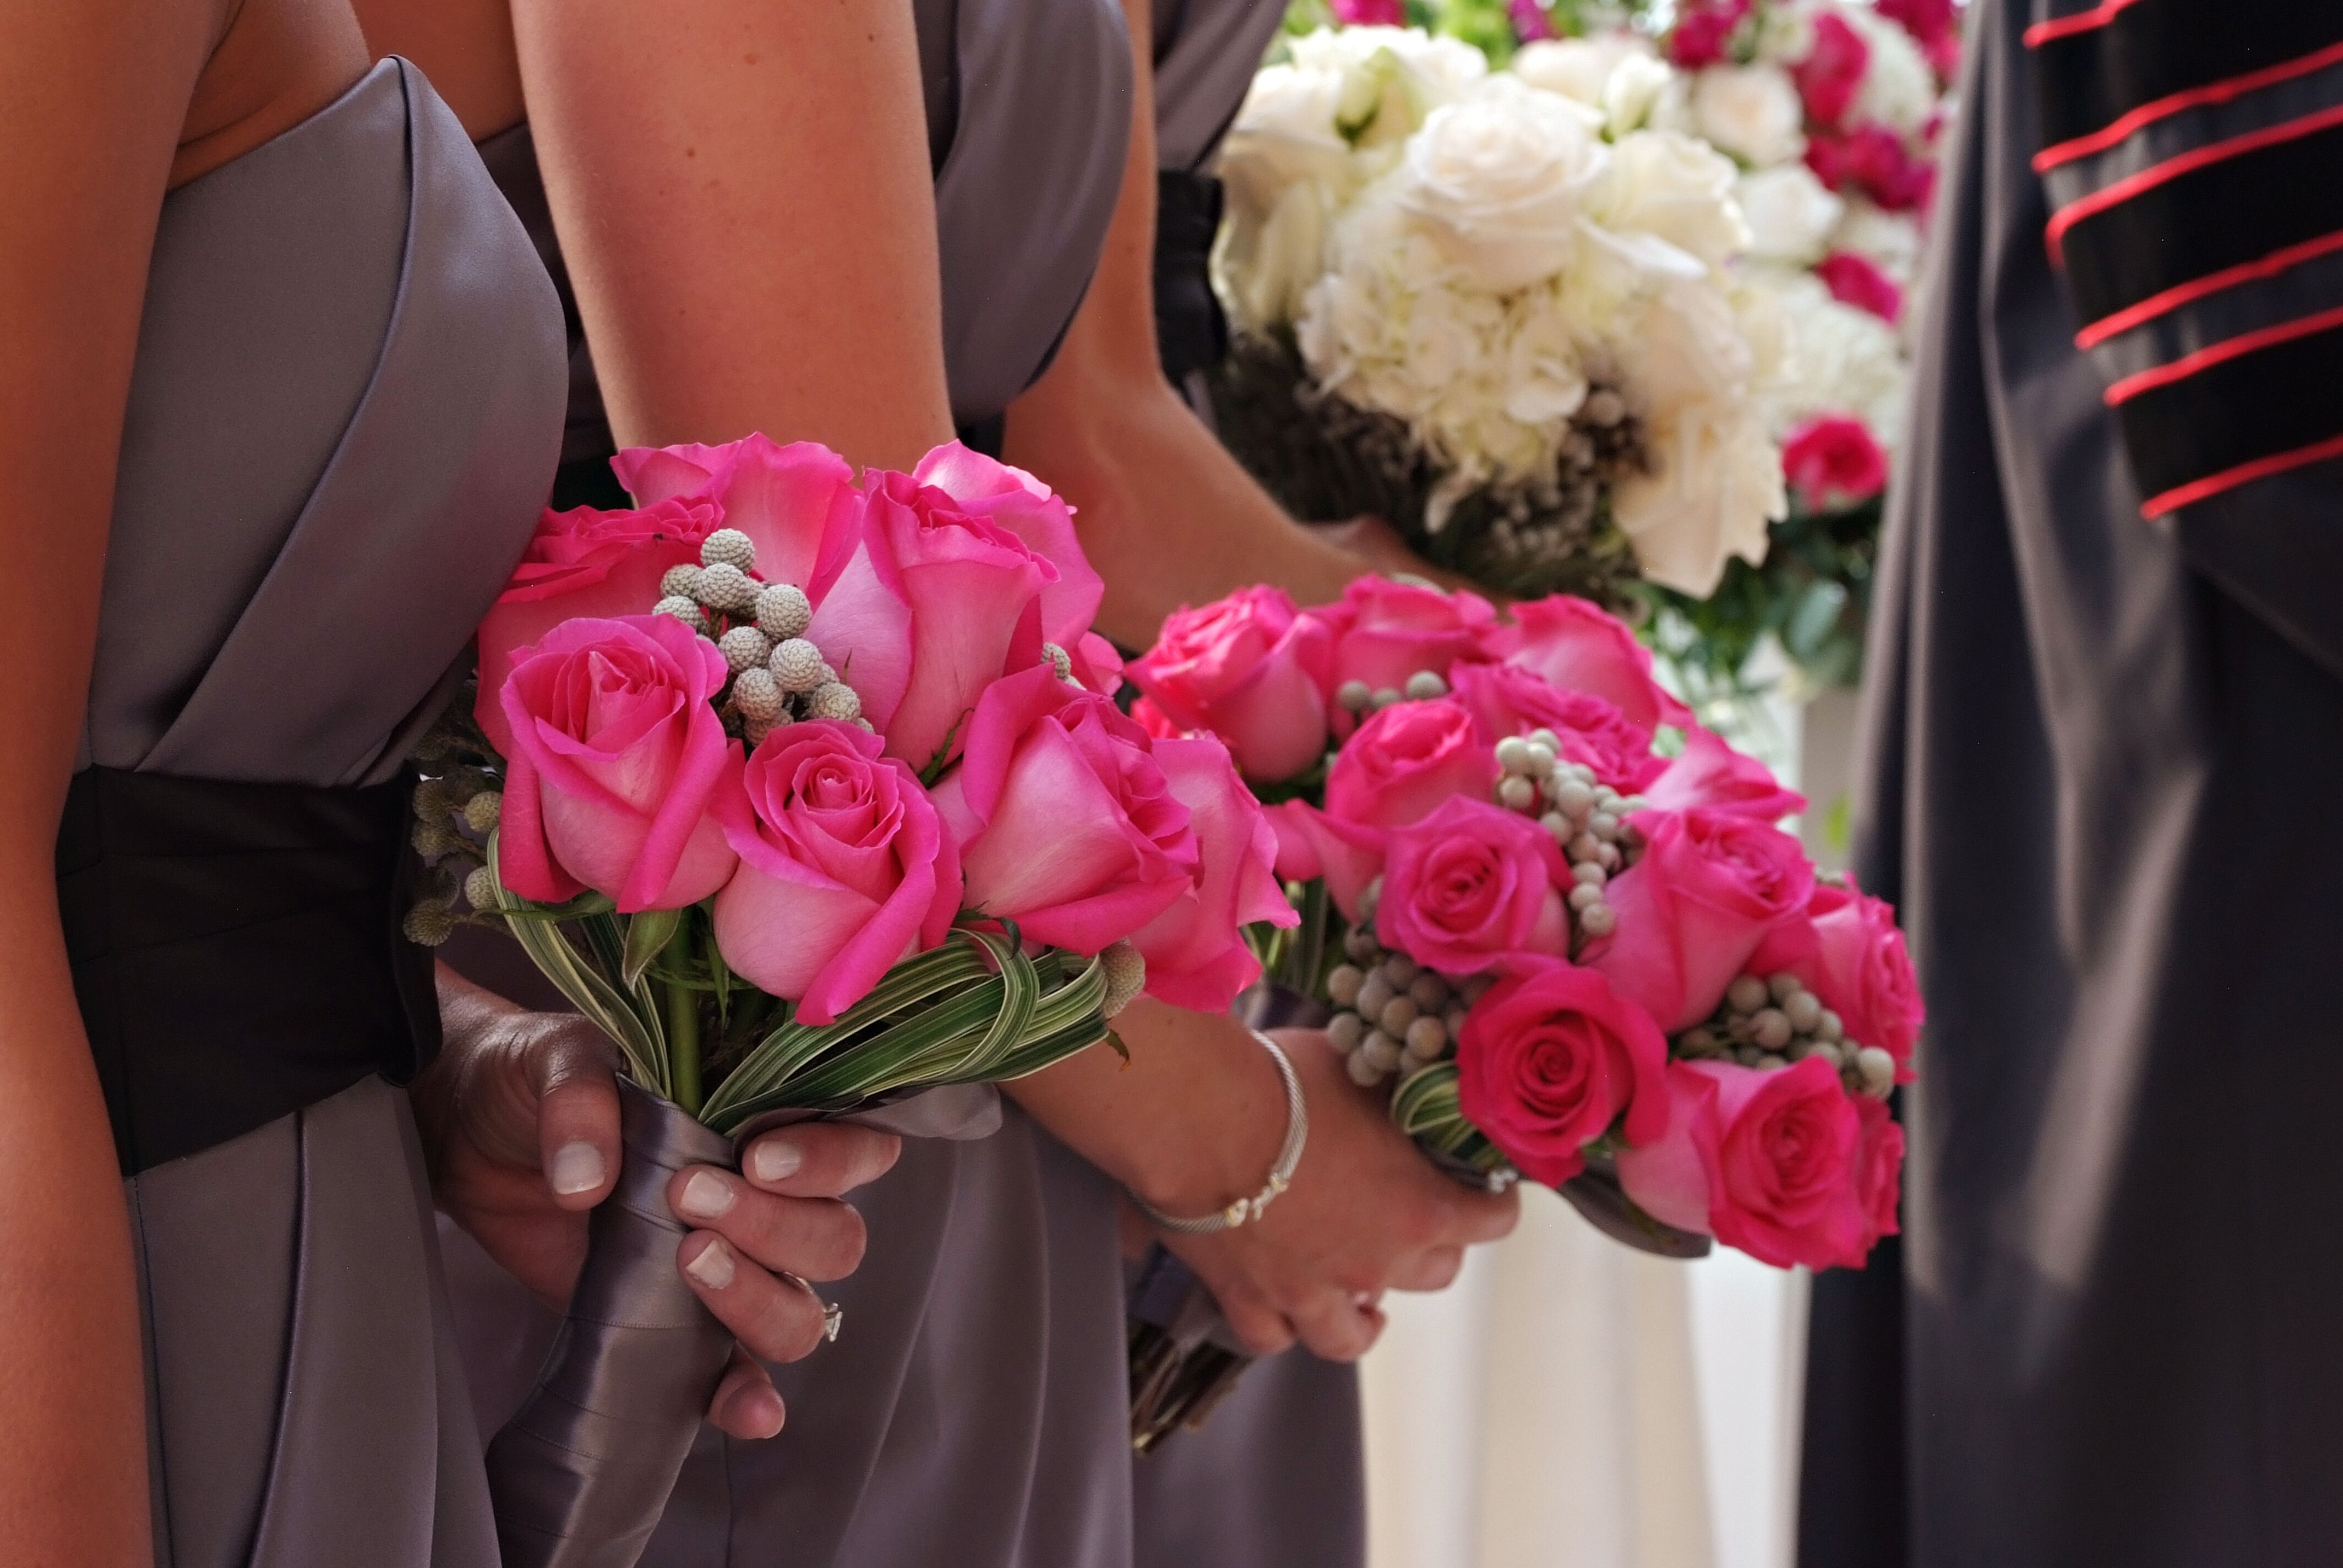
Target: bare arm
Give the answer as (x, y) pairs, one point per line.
(745, 206)
(102, 105)
(1166, 515)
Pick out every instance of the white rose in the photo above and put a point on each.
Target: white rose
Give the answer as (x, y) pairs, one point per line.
(1686, 345)
(1841, 360)
(1261, 266)
(1545, 380)
(1498, 181)
(1899, 88)
(1578, 68)
(1637, 93)
(1791, 213)
(1751, 112)
(1714, 482)
(1388, 78)
(1674, 187)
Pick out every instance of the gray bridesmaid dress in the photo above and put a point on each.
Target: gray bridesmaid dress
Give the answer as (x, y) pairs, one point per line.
(2104, 721)
(973, 1411)
(1276, 1476)
(341, 425)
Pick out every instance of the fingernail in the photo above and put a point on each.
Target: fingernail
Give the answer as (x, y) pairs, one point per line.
(705, 1196)
(775, 1159)
(713, 1267)
(577, 1168)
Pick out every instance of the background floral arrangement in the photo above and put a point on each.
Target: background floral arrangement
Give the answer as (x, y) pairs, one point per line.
(1501, 316)
(1832, 112)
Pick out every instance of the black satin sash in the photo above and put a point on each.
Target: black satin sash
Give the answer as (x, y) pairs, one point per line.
(236, 950)
(1191, 332)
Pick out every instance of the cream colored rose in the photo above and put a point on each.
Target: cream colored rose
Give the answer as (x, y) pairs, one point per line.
(1675, 188)
(1715, 482)
(1499, 179)
(1891, 239)
(1751, 112)
(1578, 68)
(1641, 93)
(1790, 213)
(1388, 78)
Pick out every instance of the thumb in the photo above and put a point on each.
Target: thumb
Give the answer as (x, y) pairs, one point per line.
(568, 1064)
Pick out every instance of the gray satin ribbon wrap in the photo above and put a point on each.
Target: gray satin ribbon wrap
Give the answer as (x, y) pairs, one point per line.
(583, 1471)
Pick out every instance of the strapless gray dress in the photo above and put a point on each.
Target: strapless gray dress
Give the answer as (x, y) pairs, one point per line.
(341, 425)
(974, 1411)
(1276, 1476)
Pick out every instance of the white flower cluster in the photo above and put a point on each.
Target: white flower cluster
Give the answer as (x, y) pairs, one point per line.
(1768, 1024)
(1475, 254)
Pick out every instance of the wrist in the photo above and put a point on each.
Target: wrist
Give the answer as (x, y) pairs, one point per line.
(1243, 1210)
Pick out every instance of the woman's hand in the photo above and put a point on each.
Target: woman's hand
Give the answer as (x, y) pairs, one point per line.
(1194, 1121)
(521, 1117)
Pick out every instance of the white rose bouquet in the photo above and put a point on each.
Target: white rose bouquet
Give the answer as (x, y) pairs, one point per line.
(1500, 309)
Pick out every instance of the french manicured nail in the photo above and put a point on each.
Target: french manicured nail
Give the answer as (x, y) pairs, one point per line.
(577, 1168)
(713, 1267)
(775, 1159)
(705, 1196)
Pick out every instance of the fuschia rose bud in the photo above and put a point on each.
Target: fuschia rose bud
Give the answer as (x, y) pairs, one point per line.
(1577, 646)
(1550, 1059)
(1862, 971)
(1065, 820)
(1472, 885)
(1831, 74)
(589, 563)
(1196, 953)
(845, 869)
(1249, 668)
(1383, 633)
(1702, 31)
(1508, 699)
(796, 503)
(1855, 279)
(1711, 773)
(1709, 888)
(1765, 1160)
(1405, 762)
(617, 760)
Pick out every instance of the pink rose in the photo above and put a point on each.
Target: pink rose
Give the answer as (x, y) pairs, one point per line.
(1471, 885)
(1928, 21)
(1065, 820)
(1878, 1175)
(1863, 972)
(1703, 30)
(617, 758)
(845, 869)
(1831, 74)
(938, 602)
(1711, 885)
(1196, 953)
(585, 562)
(1311, 845)
(1550, 1061)
(1855, 279)
(1763, 1161)
(1832, 462)
(1577, 646)
(1507, 700)
(1249, 668)
(1027, 507)
(1711, 773)
(1407, 759)
(1370, 13)
(1383, 632)
(1871, 160)
(796, 503)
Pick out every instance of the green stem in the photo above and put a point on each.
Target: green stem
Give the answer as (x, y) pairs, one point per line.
(683, 1022)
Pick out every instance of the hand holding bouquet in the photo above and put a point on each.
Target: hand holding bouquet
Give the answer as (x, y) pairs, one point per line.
(809, 793)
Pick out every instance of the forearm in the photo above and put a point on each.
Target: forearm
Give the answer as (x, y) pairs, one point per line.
(1190, 1121)
(72, 1453)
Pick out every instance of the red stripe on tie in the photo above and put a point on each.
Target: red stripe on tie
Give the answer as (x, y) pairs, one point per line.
(2163, 109)
(2187, 163)
(2221, 352)
(2187, 494)
(2089, 21)
(2180, 293)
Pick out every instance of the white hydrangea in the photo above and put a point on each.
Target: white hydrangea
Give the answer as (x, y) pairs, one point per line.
(1676, 189)
(1753, 112)
(1899, 87)
(1841, 360)
(1891, 240)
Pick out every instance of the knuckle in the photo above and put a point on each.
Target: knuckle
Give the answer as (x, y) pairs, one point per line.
(789, 1328)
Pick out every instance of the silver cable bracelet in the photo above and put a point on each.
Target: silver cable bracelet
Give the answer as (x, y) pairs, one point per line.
(1281, 1173)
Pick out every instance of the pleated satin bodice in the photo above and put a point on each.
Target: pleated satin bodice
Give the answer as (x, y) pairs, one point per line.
(342, 423)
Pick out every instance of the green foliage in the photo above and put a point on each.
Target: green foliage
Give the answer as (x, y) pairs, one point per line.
(1813, 595)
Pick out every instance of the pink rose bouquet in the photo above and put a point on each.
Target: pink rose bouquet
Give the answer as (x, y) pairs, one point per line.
(807, 786)
(1555, 921)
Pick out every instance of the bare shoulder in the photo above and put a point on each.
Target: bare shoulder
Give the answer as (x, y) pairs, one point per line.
(276, 63)
(465, 47)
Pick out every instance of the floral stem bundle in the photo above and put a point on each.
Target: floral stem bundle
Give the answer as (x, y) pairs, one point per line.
(807, 788)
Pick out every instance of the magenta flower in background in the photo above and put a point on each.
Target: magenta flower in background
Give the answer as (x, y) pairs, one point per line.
(1856, 280)
(1833, 462)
